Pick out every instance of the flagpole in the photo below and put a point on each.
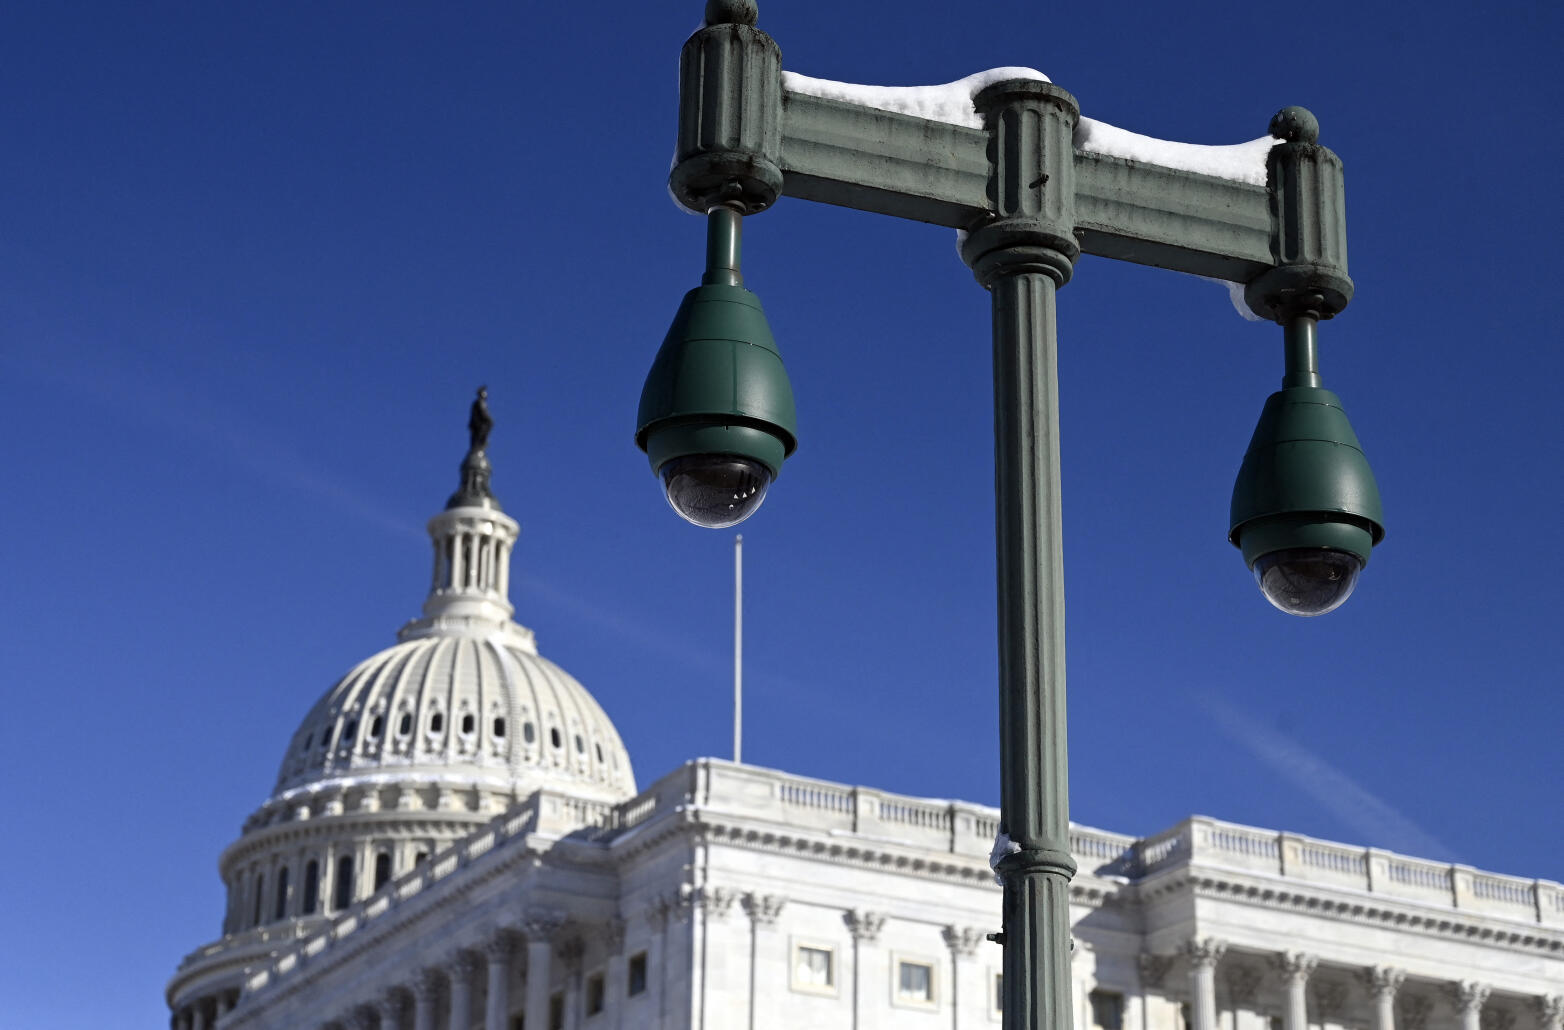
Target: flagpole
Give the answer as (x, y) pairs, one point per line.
(738, 648)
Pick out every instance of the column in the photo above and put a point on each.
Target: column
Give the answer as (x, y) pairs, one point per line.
(1469, 996)
(460, 970)
(656, 972)
(496, 1010)
(614, 976)
(865, 928)
(763, 911)
(201, 1020)
(963, 944)
(390, 1007)
(540, 926)
(571, 953)
(426, 991)
(1383, 982)
(1203, 954)
(1295, 968)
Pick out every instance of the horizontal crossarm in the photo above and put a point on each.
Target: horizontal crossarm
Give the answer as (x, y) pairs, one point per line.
(930, 171)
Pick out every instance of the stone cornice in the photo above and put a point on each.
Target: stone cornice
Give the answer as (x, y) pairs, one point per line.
(1354, 907)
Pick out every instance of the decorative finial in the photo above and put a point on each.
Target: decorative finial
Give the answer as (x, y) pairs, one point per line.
(731, 12)
(1295, 125)
(474, 491)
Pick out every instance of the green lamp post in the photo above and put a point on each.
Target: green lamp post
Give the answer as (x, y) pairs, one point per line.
(716, 417)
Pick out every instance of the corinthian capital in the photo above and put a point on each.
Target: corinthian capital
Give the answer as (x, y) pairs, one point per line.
(541, 924)
(1203, 952)
(1550, 1011)
(1469, 995)
(1154, 968)
(1295, 966)
(1382, 980)
(763, 908)
(864, 926)
(962, 941)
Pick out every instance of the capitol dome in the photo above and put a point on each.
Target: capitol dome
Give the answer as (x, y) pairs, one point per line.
(416, 747)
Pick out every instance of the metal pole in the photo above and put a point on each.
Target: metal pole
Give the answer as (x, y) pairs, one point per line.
(1033, 762)
(738, 648)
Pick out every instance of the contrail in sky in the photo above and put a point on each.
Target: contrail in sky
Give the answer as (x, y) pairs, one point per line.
(1335, 792)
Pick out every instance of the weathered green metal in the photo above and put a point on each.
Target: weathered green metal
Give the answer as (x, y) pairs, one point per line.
(717, 385)
(1023, 255)
(1031, 205)
(1309, 226)
(730, 115)
(908, 167)
(1304, 481)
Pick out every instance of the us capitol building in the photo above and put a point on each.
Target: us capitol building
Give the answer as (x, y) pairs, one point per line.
(456, 840)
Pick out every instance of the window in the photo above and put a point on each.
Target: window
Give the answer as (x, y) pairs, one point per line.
(342, 896)
(1186, 1017)
(376, 727)
(421, 858)
(594, 994)
(436, 723)
(635, 974)
(814, 968)
(311, 888)
(281, 908)
(528, 733)
(404, 725)
(382, 869)
(554, 737)
(309, 738)
(467, 723)
(599, 749)
(255, 916)
(349, 728)
(556, 1011)
(1107, 1010)
(499, 726)
(580, 745)
(914, 982)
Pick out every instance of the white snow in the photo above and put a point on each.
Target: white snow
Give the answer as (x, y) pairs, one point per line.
(1003, 846)
(1240, 162)
(951, 102)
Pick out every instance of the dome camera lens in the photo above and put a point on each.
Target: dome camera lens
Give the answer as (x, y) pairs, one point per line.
(715, 491)
(1307, 580)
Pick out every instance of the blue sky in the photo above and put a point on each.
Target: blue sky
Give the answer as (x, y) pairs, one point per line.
(255, 258)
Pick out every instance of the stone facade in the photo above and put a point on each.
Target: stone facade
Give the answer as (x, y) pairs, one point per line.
(733, 896)
(455, 841)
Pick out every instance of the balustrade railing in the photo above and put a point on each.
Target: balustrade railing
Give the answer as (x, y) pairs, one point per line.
(955, 826)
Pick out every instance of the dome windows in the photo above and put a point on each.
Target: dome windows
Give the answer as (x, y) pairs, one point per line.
(599, 748)
(281, 908)
(555, 738)
(377, 726)
(404, 726)
(468, 724)
(342, 896)
(349, 731)
(499, 726)
(580, 745)
(529, 732)
(436, 723)
(311, 888)
(309, 738)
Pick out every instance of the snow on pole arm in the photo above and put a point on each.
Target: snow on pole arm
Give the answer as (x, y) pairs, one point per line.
(952, 103)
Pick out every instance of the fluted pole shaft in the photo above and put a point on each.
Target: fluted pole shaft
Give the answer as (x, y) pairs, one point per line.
(1031, 652)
